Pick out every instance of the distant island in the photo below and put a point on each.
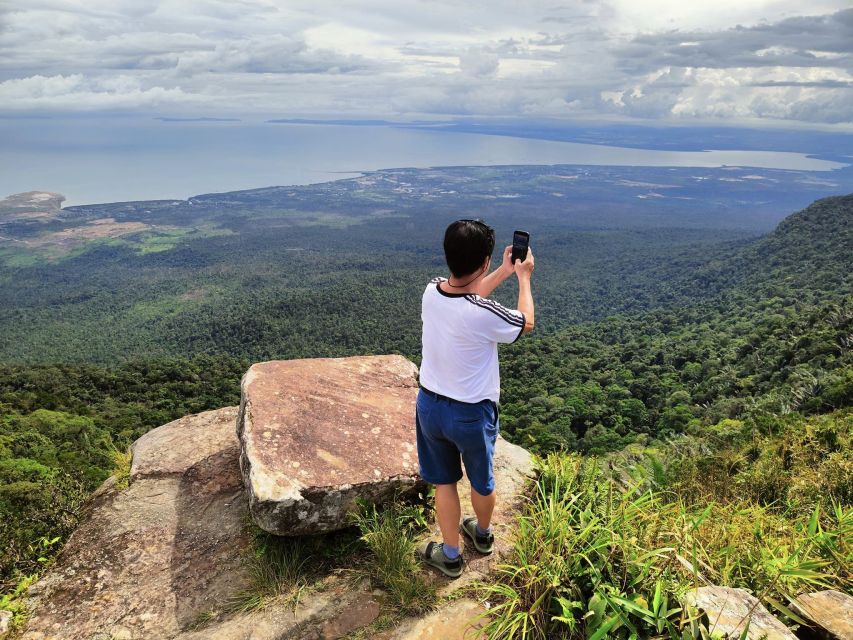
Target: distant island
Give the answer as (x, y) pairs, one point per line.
(206, 119)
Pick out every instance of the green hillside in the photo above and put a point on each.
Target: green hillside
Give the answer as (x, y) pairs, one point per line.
(757, 365)
(777, 341)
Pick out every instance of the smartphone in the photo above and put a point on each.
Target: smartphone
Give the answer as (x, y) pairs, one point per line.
(520, 242)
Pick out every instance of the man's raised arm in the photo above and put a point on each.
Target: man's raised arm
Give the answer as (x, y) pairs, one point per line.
(524, 271)
(491, 281)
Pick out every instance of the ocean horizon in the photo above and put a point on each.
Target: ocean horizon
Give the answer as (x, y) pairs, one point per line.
(111, 160)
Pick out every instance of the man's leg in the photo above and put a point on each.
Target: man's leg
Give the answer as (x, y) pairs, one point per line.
(478, 447)
(448, 512)
(483, 507)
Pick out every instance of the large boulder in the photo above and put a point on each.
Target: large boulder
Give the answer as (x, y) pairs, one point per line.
(319, 434)
(147, 560)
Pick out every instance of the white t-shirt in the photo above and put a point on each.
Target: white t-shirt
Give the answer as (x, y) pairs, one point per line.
(461, 332)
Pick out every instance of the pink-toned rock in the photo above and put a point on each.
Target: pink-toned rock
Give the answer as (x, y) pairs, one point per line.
(830, 610)
(318, 434)
(183, 443)
(458, 620)
(146, 561)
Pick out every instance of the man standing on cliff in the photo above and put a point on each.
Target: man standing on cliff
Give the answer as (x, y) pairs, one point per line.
(457, 405)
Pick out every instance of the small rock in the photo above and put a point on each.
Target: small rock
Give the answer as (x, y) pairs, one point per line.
(363, 610)
(729, 609)
(120, 633)
(830, 610)
(5, 622)
(459, 620)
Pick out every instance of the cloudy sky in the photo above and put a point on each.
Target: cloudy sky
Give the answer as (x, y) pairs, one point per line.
(665, 60)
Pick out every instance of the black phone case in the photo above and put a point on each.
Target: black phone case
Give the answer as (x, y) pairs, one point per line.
(519, 253)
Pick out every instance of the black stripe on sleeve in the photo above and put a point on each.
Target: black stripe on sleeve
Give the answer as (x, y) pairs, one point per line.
(521, 331)
(496, 305)
(509, 313)
(501, 312)
(498, 310)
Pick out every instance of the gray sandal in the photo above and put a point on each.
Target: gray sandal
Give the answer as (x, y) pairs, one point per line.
(483, 544)
(432, 553)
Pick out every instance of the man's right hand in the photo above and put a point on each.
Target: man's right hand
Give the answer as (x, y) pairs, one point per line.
(524, 269)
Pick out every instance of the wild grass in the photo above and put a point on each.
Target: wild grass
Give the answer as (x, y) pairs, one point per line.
(121, 459)
(594, 557)
(389, 534)
(788, 463)
(579, 542)
(283, 569)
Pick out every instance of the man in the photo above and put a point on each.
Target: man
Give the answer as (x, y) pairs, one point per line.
(457, 405)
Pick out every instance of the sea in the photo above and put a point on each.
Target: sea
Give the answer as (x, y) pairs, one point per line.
(97, 160)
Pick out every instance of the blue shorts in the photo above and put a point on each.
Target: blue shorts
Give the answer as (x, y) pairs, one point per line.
(447, 430)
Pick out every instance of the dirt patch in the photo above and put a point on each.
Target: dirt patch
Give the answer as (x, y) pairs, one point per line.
(101, 228)
(194, 294)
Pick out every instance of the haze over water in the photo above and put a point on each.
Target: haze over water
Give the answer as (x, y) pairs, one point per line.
(110, 160)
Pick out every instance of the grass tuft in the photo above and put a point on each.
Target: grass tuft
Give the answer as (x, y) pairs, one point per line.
(121, 460)
(282, 569)
(390, 535)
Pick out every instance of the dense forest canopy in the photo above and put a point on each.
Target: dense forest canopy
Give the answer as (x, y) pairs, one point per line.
(644, 335)
(338, 267)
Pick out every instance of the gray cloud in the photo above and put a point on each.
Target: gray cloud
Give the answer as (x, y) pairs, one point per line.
(479, 62)
(803, 41)
(410, 58)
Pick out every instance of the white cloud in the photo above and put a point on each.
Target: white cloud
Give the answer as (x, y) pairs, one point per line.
(659, 59)
(78, 93)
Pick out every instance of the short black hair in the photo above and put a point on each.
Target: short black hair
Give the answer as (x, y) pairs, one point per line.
(467, 243)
